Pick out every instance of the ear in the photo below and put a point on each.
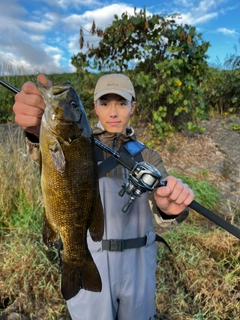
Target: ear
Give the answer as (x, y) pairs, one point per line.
(133, 107)
(95, 107)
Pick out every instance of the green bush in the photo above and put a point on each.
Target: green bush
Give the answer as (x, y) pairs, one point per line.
(221, 91)
(165, 61)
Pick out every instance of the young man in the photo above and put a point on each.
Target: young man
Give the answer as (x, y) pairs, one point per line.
(126, 258)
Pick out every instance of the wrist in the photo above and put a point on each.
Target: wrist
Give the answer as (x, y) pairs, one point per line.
(167, 216)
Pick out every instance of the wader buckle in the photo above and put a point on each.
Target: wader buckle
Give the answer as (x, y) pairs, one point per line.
(115, 245)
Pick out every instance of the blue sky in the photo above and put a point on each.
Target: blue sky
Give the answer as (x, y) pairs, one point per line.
(43, 35)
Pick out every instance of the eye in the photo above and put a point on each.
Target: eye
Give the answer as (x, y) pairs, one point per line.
(74, 104)
(123, 104)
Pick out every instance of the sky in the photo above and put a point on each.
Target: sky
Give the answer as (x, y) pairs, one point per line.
(42, 35)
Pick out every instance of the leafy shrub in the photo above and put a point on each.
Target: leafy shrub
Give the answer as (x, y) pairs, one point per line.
(165, 61)
(221, 91)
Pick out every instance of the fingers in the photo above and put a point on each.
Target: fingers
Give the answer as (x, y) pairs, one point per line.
(29, 105)
(180, 193)
(174, 197)
(27, 116)
(30, 96)
(44, 80)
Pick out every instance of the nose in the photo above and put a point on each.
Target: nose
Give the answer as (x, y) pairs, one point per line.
(113, 111)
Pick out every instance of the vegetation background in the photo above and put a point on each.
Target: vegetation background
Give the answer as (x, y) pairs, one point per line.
(186, 110)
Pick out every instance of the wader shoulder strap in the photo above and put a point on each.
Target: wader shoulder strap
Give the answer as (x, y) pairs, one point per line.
(131, 148)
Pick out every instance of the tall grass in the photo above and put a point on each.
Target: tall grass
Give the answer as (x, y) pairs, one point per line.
(201, 279)
(30, 282)
(20, 198)
(10, 69)
(16, 76)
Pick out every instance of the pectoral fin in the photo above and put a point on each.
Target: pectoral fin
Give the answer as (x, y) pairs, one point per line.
(58, 158)
(96, 227)
(50, 236)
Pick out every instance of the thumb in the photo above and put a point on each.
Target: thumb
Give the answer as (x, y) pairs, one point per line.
(163, 192)
(44, 80)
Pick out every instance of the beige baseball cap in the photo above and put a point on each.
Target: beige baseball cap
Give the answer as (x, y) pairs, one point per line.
(114, 83)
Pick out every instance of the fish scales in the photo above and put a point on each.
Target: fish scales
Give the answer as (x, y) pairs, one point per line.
(69, 180)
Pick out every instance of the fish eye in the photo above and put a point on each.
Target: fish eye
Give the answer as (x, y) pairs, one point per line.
(74, 104)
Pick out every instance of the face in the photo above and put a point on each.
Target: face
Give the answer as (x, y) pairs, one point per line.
(114, 112)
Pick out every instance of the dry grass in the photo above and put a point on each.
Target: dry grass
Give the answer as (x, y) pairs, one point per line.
(29, 284)
(199, 280)
(201, 158)
(20, 188)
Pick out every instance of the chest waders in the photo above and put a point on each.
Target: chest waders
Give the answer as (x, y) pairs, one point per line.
(133, 149)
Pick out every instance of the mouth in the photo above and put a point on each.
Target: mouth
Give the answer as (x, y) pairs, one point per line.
(114, 123)
(55, 92)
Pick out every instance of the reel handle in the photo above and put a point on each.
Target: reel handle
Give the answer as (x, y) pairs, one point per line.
(127, 205)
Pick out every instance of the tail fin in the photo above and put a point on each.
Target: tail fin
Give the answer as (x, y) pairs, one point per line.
(83, 275)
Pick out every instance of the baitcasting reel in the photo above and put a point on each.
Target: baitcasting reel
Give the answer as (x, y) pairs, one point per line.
(143, 177)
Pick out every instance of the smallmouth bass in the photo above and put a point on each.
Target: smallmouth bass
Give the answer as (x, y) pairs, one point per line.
(69, 181)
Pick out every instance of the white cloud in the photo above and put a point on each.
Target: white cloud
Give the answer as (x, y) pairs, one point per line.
(200, 12)
(36, 38)
(195, 20)
(38, 27)
(206, 5)
(103, 17)
(52, 50)
(227, 32)
(183, 3)
(12, 8)
(23, 39)
(72, 3)
(45, 34)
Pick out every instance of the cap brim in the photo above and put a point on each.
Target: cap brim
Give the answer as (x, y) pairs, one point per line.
(121, 93)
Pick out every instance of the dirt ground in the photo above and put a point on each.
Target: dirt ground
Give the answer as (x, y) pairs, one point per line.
(213, 156)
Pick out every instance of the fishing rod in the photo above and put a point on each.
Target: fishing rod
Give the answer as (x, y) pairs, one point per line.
(145, 177)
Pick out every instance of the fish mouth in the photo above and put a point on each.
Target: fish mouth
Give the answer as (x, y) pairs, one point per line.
(62, 103)
(55, 90)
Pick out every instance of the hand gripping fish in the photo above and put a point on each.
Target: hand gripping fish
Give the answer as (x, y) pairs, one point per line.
(69, 180)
